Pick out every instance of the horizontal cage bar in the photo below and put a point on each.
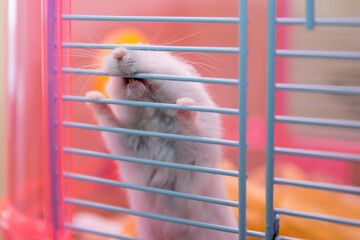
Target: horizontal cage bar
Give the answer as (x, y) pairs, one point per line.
(227, 81)
(319, 154)
(329, 89)
(153, 47)
(286, 238)
(318, 121)
(318, 54)
(150, 215)
(152, 134)
(256, 234)
(320, 217)
(319, 186)
(152, 19)
(345, 22)
(155, 105)
(100, 233)
(151, 162)
(150, 189)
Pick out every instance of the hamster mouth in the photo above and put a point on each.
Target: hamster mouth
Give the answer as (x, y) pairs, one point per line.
(136, 82)
(131, 80)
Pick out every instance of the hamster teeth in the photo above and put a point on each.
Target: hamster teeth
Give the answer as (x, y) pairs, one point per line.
(131, 80)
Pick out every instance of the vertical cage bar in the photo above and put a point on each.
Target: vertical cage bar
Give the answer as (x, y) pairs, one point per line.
(310, 14)
(51, 88)
(242, 116)
(270, 109)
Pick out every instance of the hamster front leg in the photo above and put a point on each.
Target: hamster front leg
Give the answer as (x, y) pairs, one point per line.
(102, 111)
(106, 117)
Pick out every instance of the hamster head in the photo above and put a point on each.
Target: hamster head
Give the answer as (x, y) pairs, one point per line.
(122, 62)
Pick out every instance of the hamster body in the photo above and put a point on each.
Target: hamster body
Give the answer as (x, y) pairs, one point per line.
(199, 124)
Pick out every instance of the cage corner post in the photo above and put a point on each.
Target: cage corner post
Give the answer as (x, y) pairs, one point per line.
(243, 35)
(271, 225)
(53, 115)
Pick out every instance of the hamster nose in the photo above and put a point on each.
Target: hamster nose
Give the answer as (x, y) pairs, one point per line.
(119, 53)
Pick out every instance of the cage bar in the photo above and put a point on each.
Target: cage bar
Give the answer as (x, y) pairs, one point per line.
(319, 154)
(152, 134)
(155, 105)
(153, 47)
(313, 88)
(344, 22)
(151, 162)
(227, 81)
(318, 54)
(286, 238)
(150, 215)
(270, 230)
(319, 121)
(150, 189)
(321, 217)
(310, 14)
(319, 186)
(242, 91)
(100, 233)
(52, 28)
(152, 19)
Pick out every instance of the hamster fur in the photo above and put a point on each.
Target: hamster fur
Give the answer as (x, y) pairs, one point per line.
(191, 123)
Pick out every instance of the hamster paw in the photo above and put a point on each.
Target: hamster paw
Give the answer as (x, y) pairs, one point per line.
(185, 115)
(185, 101)
(94, 95)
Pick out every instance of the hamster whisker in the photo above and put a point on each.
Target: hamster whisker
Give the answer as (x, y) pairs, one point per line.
(186, 37)
(158, 33)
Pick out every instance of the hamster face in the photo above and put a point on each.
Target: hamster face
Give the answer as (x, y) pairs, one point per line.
(129, 62)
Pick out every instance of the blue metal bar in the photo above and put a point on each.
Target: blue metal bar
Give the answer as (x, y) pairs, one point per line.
(151, 215)
(100, 233)
(286, 238)
(151, 189)
(319, 121)
(152, 19)
(152, 48)
(321, 217)
(318, 54)
(270, 112)
(345, 22)
(310, 14)
(242, 89)
(155, 105)
(255, 234)
(320, 186)
(319, 154)
(329, 89)
(151, 162)
(152, 134)
(227, 81)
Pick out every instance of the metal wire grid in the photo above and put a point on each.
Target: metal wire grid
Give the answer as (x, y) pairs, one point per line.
(272, 220)
(54, 40)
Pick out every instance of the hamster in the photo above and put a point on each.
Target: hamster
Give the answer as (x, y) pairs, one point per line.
(200, 124)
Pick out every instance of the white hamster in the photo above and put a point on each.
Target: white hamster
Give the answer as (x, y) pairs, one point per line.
(201, 124)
